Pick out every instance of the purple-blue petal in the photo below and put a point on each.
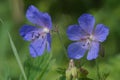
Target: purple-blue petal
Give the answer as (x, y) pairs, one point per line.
(37, 47)
(75, 51)
(38, 18)
(75, 33)
(26, 32)
(48, 42)
(86, 22)
(101, 32)
(93, 51)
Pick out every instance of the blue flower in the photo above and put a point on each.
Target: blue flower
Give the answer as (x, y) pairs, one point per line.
(40, 37)
(87, 38)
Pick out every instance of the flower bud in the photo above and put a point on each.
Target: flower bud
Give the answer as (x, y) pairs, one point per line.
(68, 74)
(74, 72)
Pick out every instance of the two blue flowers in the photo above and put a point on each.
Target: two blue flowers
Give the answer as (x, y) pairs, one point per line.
(87, 38)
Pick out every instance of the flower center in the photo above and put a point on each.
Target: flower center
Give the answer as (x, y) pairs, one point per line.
(86, 42)
(40, 34)
(46, 30)
(91, 37)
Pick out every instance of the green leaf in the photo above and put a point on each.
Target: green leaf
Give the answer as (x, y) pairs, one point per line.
(61, 71)
(39, 67)
(17, 56)
(62, 78)
(85, 79)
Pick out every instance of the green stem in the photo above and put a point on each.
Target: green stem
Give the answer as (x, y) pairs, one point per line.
(58, 33)
(98, 72)
(1, 21)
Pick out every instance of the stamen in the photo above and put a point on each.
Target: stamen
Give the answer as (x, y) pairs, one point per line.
(32, 34)
(37, 36)
(86, 44)
(42, 36)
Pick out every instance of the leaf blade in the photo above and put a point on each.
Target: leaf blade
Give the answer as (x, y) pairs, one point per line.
(17, 56)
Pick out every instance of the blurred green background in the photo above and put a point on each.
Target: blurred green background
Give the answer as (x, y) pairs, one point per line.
(63, 13)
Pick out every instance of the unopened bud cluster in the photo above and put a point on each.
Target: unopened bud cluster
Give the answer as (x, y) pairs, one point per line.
(71, 72)
(74, 73)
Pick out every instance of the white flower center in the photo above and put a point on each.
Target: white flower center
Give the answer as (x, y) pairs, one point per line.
(46, 30)
(91, 37)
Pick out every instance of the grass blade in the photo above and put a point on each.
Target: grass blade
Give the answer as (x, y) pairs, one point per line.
(16, 56)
